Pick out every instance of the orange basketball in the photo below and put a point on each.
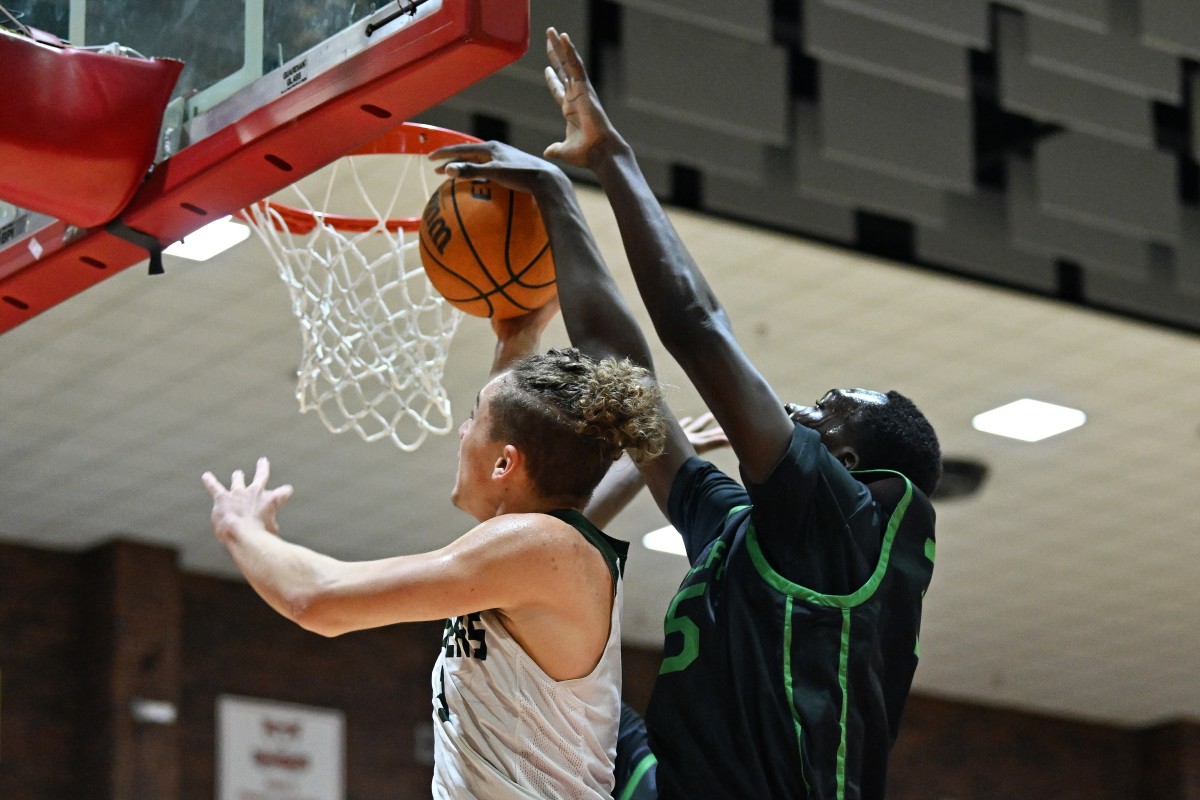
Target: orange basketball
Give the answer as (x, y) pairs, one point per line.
(485, 249)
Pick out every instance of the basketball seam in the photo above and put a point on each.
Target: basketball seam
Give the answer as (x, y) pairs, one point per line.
(498, 288)
(481, 294)
(467, 234)
(516, 276)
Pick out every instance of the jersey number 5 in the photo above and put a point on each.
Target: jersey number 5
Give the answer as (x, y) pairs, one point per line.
(681, 623)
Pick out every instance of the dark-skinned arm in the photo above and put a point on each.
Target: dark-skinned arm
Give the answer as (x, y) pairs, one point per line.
(687, 316)
(598, 321)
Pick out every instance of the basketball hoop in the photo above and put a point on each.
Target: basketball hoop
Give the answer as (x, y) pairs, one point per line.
(375, 331)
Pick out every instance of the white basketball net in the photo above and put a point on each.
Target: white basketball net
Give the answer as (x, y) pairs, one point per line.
(375, 332)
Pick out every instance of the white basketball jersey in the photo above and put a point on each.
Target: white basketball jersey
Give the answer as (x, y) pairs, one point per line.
(505, 729)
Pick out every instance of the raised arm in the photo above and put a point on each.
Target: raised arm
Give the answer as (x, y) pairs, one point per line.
(686, 314)
(517, 337)
(501, 563)
(597, 318)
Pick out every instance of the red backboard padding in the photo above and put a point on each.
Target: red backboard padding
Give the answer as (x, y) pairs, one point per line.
(79, 131)
(306, 128)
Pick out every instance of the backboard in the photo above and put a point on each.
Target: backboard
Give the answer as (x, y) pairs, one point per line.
(272, 90)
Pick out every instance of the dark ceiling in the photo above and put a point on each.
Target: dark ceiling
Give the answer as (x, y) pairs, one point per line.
(1046, 145)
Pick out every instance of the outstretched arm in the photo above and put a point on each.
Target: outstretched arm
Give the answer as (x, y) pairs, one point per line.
(686, 314)
(501, 563)
(598, 321)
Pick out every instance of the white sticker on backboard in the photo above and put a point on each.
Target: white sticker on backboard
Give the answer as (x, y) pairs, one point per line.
(268, 750)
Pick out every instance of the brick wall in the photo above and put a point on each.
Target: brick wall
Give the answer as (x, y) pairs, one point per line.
(41, 674)
(235, 644)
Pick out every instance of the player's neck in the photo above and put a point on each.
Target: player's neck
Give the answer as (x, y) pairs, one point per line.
(535, 504)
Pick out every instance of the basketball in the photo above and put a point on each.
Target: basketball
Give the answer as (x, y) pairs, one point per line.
(485, 249)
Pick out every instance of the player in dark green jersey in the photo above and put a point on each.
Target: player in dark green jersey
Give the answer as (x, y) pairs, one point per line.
(791, 644)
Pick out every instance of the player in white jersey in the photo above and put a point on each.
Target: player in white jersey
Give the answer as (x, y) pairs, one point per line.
(497, 715)
(532, 592)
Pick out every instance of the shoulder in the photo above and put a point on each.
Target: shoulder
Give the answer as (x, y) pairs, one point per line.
(524, 559)
(808, 472)
(893, 492)
(528, 535)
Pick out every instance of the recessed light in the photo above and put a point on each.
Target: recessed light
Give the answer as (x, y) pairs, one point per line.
(665, 540)
(214, 238)
(1029, 420)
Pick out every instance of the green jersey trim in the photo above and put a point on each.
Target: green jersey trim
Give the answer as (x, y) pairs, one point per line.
(843, 669)
(866, 591)
(635, 777)
(789, 687)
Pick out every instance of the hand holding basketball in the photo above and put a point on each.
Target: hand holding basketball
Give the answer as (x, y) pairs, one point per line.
(483, 243)
(498, 162)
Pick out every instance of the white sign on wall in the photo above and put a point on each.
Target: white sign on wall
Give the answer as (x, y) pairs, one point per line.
(268, 750)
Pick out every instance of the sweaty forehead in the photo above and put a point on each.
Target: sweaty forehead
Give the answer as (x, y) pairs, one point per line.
(866, 396)
(852, 398)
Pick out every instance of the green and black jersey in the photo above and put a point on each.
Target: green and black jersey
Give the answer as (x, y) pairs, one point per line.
(792, 642)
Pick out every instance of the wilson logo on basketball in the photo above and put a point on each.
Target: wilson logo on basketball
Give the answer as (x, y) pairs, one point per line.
(434, 229)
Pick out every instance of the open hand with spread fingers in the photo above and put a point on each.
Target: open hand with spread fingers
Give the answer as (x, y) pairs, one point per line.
(589, 131)
(240, 503)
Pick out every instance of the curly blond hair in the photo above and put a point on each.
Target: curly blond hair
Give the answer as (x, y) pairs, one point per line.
(573, 416)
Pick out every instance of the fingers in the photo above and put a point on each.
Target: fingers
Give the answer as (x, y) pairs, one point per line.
(472, 151)
(262, 472)
(572, 64)
(696, 423)
(552, 47)
(215, 487)
(465, 160)
(563, 57)
(555, 84)
(467, 170)
(278, 496)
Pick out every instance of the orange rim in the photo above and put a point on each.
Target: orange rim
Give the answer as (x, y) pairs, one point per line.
(409, 138)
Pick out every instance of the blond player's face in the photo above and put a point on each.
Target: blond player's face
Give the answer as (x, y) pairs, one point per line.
(477, 456)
